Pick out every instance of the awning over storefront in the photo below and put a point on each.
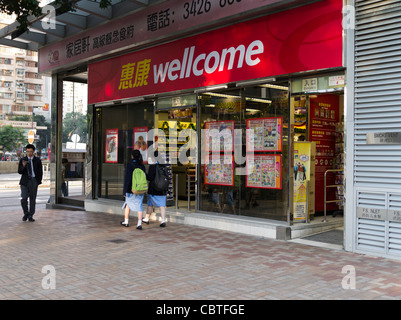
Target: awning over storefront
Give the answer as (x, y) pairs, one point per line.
(55, 25)
(67, 39)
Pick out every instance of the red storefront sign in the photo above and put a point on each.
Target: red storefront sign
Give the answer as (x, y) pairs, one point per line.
(301, 39)
(173, 16)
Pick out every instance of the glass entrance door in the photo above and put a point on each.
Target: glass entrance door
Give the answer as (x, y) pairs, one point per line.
(177, 143)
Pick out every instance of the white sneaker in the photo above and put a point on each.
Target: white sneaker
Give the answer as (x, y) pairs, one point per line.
(145, 220)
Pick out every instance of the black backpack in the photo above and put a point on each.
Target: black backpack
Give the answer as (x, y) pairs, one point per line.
(161, 181)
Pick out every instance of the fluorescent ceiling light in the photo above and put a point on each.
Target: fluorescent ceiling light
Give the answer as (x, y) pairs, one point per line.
(108, 103)
(102, 104)
(222, 95)
(254, 82)
(217, 87)
(273, 86)
(132, 100)
(258, 100)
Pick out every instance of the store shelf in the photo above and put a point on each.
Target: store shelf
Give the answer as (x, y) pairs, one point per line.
(339, 163)
(339, 197)
(191, 177)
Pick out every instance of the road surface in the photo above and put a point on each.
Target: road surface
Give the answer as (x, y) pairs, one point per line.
(10, 193)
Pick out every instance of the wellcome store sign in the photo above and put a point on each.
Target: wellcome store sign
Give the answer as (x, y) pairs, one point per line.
(214, 61)
(301, 39)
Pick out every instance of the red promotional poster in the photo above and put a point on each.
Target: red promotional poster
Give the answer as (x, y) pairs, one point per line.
(267, 134)
(224, 141)
(301, 39)
(324, 115)
(111, 147)
(220, 173)
(264, 171)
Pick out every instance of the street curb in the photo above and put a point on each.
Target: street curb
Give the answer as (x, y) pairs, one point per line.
(17, 186)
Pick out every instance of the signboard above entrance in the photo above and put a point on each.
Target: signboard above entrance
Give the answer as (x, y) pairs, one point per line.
(302, 39)
(154, 22)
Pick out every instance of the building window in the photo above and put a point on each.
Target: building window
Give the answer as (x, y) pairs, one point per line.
(23, 108)
(8, 73)
(5, 95)
(6, 108)
(20, 85)
(20, 72)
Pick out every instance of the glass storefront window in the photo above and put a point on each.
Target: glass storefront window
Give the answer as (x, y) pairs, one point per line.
(264, 193)
(116, 128)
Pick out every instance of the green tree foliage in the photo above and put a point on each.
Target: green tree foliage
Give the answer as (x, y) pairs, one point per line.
(11, 138)
(22, 9)
(75, 123)
(44, 135)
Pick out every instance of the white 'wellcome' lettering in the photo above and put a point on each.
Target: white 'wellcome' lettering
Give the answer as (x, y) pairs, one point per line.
(208, 62)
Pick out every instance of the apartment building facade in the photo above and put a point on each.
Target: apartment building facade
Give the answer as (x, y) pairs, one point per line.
(21, 86)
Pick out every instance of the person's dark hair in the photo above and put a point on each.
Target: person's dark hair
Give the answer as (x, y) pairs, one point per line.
(64, 160)
(137, 156)
(30, 146)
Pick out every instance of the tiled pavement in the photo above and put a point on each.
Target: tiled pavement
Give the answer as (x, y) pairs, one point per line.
(95, 258)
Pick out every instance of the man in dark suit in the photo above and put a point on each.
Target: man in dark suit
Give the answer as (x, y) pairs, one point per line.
(30, 169)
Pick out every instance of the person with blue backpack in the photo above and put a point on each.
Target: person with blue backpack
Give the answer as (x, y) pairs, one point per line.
(135, 187)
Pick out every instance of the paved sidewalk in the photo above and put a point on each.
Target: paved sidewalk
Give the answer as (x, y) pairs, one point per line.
(95, 258)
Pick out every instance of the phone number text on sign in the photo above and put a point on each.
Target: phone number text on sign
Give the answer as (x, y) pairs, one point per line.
(199, 7)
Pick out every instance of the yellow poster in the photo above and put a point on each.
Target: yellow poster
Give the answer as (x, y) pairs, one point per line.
(304, 182)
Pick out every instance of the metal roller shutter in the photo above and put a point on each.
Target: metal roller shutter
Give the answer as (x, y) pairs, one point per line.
(377, 108)
(394, 227)
(371, 234)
